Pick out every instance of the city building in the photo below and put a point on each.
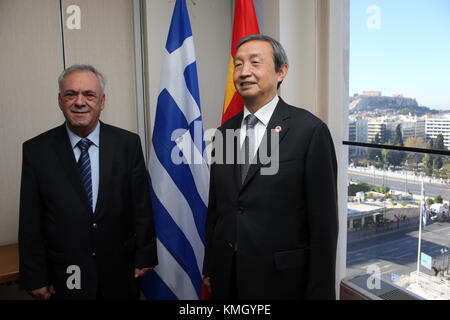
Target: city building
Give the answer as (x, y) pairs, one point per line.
(357, 132)
(374, 128)
(409, 127)
(436, 126)
(415, 129)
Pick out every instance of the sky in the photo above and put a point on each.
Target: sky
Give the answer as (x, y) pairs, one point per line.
(401, 47)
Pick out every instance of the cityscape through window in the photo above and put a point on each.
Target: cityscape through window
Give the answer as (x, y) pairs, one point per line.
(399, 140)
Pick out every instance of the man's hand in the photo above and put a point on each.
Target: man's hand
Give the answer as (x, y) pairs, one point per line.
(141, 272)
(207, 283)
(43, 293)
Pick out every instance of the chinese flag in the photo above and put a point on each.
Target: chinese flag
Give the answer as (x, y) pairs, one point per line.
(245, 23)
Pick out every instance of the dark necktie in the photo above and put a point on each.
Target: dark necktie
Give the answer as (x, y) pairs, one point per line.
(249, 144)
(84, 164)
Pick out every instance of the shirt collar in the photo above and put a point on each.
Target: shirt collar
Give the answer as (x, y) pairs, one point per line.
(265, 112)
(94, 136)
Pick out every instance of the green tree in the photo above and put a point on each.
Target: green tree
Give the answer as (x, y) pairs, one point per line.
(437, 162)
(360, 186)
(395, 158)
(398, 137)
(427, 161)
(372, 153)
(446, 170)
(438, 199)
(380, 162)
(381, 189)
(438, 144)
(415, 157)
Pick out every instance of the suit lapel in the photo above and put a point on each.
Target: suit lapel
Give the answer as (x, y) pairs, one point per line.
(106, 152)
(64, 152)
(279, 120)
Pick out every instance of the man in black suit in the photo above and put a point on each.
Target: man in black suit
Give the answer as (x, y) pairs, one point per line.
(86, 228)
(271, 235)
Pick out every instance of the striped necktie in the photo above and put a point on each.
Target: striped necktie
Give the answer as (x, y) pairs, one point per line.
(84, 164)
(249, 144)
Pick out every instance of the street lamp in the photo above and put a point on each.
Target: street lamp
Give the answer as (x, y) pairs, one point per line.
(374, 167)
(406, 176)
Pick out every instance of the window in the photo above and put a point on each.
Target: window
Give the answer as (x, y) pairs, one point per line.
(399, 139)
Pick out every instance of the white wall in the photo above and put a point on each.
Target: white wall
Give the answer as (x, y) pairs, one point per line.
(106, 40)
(293, 23)
(28, 92)
(315, 36)
(31, 59)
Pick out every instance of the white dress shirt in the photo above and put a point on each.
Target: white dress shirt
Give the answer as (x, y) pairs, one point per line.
(263, 114)
(94, 136)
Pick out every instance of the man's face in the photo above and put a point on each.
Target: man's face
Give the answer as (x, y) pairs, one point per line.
(81, 100)
(254, 74)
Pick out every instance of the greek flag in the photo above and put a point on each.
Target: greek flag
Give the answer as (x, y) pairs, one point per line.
(178, 170)
(424, 208)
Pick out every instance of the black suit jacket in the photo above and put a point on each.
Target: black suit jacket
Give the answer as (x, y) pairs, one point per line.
(282, 229)
(58, 229)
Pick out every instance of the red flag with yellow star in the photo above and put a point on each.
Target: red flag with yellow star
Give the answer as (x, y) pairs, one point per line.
(245, 23)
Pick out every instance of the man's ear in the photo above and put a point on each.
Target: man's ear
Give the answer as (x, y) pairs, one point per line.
(102, 101)
(60, 103)
(282, 73)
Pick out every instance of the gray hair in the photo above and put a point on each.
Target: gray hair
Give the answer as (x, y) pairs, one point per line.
(82, 67)
(279, 55)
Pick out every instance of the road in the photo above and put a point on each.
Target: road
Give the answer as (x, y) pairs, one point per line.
(431, 189)
(396, 253)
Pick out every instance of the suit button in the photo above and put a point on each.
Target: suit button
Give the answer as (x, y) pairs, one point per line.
(233, 246)
(94, 225)
(241, 210)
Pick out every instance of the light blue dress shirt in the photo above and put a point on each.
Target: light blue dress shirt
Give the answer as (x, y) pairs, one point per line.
(94, 136)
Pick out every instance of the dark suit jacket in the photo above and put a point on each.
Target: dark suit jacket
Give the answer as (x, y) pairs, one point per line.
(57, 227)
(282, 228)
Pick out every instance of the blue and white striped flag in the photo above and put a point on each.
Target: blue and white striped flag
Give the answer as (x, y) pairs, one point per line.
(178, 170)
(424, 208)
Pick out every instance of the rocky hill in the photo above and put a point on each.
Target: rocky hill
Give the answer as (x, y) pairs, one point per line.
(370, 103)
(402, 105)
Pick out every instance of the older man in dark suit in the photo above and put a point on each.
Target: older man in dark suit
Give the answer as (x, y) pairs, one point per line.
(86, 228)
(271, 235)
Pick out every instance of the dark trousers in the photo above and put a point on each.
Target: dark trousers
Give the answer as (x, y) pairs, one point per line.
(233, 293)
(99, 294)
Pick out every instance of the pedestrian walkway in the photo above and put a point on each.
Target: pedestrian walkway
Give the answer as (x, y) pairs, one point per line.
(403, 175)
